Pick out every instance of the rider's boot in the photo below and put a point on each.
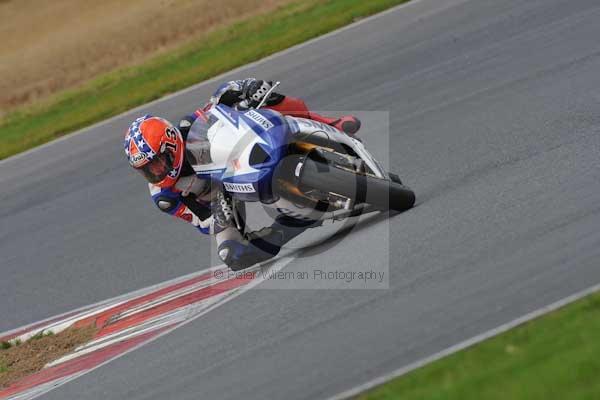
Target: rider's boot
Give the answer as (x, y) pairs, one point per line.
(264, 244)
(296, 107)
(258, 247)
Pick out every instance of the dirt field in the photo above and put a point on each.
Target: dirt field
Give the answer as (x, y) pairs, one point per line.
(31, 356)
(48, 46)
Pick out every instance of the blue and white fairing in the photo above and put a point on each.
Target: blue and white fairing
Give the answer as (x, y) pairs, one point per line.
(239, 149)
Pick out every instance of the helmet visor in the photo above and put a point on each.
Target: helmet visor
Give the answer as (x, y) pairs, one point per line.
(157, 169)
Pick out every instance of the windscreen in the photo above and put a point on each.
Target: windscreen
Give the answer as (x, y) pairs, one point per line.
(197, 143)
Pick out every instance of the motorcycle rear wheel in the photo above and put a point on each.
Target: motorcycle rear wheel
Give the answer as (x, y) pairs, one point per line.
(361, 188)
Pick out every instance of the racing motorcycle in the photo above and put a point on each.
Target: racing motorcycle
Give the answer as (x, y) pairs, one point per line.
(321, 175)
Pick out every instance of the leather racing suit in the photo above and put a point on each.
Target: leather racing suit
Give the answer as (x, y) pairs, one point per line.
(197, 202)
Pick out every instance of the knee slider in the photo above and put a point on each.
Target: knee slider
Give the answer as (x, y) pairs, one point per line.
(165, 203)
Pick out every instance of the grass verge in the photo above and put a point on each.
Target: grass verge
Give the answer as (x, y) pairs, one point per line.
(21, 359)
(556, 356)
(220, 51)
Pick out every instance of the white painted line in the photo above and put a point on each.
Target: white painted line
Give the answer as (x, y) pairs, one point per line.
(355, 391)
(41, 389)
(190, 316)
(61, 325)
(168, 297)
(215, 79)
(173, 317)
(121, 336)
(103, 305)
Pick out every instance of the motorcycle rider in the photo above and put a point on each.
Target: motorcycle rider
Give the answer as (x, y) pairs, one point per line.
(156, 148)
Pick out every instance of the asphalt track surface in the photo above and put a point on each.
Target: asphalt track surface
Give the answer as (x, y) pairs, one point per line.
(495, 114)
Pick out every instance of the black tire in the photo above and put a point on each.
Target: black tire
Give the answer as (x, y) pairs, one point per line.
(383, 194)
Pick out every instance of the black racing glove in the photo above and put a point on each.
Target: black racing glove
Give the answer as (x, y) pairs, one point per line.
(255, 91)
(246, 93)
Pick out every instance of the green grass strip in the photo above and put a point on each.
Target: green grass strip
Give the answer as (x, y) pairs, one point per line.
(216, 53)
(556, 356)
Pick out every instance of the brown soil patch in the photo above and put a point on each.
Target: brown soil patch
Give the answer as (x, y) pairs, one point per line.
(48, 46)
(31, 356)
